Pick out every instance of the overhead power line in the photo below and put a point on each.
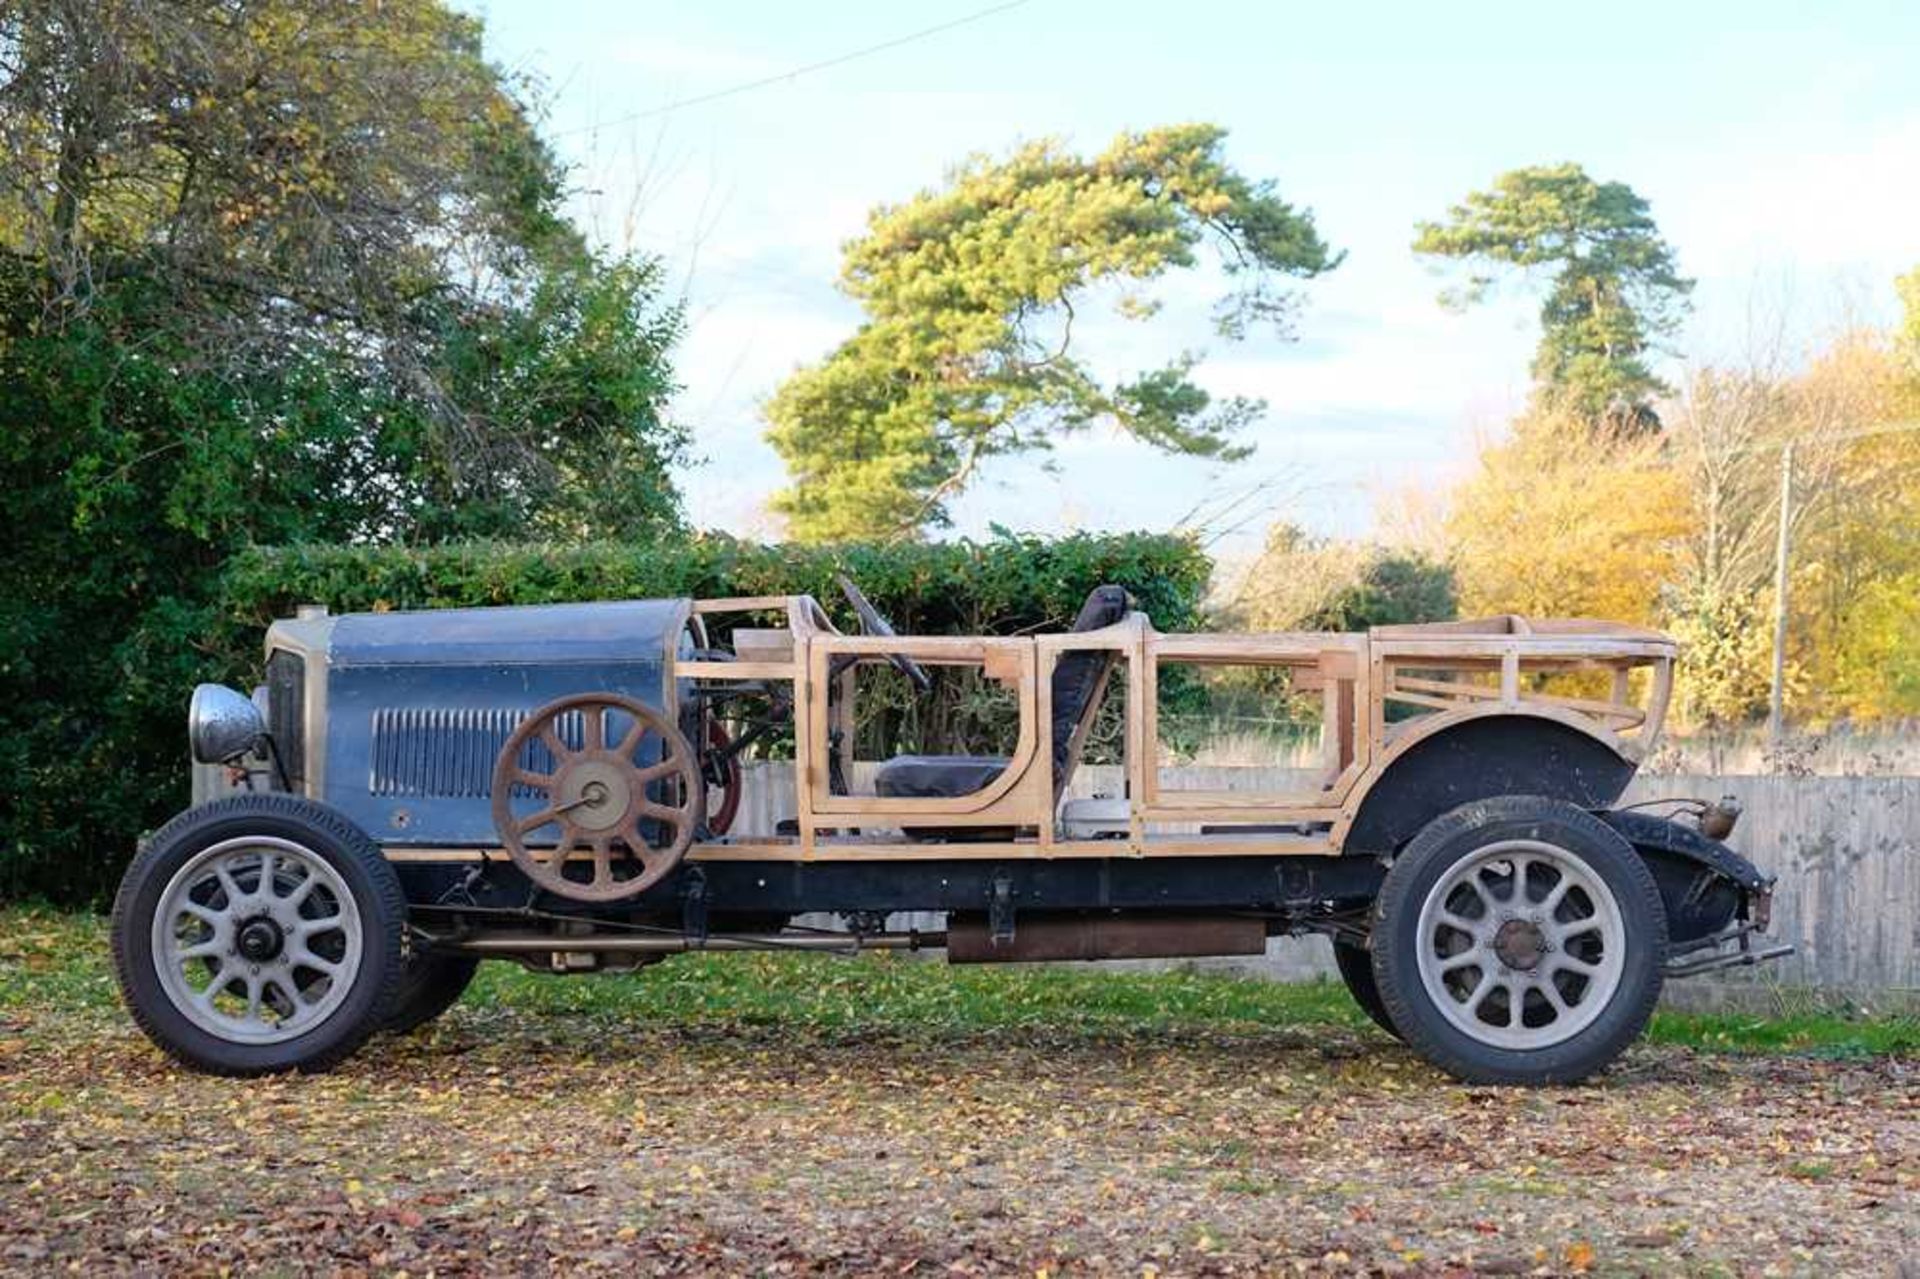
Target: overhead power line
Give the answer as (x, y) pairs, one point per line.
(1891, 428)
(785, 76)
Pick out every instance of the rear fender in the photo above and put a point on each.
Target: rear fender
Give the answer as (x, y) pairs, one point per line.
(1706, 885)
(1456, 761)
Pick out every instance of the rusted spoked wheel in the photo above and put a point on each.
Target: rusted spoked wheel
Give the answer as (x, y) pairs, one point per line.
(589, 774)
(722, 771)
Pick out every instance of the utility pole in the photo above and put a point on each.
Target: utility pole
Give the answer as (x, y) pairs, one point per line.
(1776, 710)
(1776, 715)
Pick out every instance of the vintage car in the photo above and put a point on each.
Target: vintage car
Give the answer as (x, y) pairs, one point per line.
(562, 786)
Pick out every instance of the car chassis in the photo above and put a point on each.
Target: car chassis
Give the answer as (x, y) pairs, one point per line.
(558, 785)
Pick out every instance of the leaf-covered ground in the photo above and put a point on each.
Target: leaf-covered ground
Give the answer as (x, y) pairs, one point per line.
(746, 1114)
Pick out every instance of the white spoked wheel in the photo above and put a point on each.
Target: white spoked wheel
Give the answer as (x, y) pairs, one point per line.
(257, 939)
(1521, 944)
(1519, 940)
(259, 933)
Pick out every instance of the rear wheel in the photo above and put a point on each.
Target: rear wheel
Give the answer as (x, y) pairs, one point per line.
(257, 934)
(1356, 970)
(431, 985)
(1519, 940)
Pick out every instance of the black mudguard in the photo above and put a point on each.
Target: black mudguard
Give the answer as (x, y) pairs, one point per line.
(1705, 884)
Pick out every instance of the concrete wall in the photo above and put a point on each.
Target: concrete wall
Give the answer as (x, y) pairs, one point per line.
(1846, 851)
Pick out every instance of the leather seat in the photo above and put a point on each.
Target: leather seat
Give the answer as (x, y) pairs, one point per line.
(1076, 677)
(937, 776)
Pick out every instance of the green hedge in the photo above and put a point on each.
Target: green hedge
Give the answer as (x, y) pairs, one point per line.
(74, 816)
(1001, 586)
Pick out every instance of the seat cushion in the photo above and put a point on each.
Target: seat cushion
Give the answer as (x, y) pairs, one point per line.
(1078, 675)
(937, 776)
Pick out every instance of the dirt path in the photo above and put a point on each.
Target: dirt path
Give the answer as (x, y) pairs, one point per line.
(510, 1142)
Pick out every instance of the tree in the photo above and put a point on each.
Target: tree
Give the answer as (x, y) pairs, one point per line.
(273, 185)
(1852, 521)
(271, 271)
(1855, 625)
(1557, 523)
(1908, 286)
(1724, 450)
(971, 294)
(1303, 583)
(1614, 288)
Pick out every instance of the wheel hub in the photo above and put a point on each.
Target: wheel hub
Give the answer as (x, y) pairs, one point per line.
(259, 939)
(594, 794)
(1520, 944)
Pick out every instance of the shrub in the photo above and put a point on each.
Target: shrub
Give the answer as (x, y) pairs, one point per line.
(75, 814)
(1001, 586)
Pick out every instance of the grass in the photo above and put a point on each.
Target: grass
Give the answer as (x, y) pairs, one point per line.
(57, 962)
(891, 992)
(1807, 1030)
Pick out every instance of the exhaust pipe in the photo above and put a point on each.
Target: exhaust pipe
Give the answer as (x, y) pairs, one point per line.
(969, 939)
(1040, 938)
(510, 945)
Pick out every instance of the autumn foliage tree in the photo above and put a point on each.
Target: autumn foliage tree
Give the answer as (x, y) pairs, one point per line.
(1908, 287)
(1555, 523)
(1300, 582)
(972, 292)
(1856, 598)
(1680, 530)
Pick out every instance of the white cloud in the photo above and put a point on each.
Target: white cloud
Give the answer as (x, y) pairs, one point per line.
(1834, 207)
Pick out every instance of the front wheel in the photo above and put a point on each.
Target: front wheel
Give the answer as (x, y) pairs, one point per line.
(1519, 940)
(259, 933)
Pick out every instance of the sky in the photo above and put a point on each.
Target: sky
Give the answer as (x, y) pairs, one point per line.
(1778, 143)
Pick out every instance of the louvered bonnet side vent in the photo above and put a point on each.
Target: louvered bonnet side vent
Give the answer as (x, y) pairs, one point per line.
(450, 753)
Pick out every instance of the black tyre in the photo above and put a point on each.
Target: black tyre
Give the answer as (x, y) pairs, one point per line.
(259, 933)
(431, 985)
(1356, 970)
(1519, 940)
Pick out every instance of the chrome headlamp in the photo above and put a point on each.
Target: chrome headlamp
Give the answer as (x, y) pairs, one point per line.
(222, 725)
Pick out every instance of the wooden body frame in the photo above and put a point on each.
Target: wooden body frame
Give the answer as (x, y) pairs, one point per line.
(1448, 673)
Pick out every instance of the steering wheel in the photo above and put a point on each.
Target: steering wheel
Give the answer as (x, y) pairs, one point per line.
(588, 788)
(871, 623)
